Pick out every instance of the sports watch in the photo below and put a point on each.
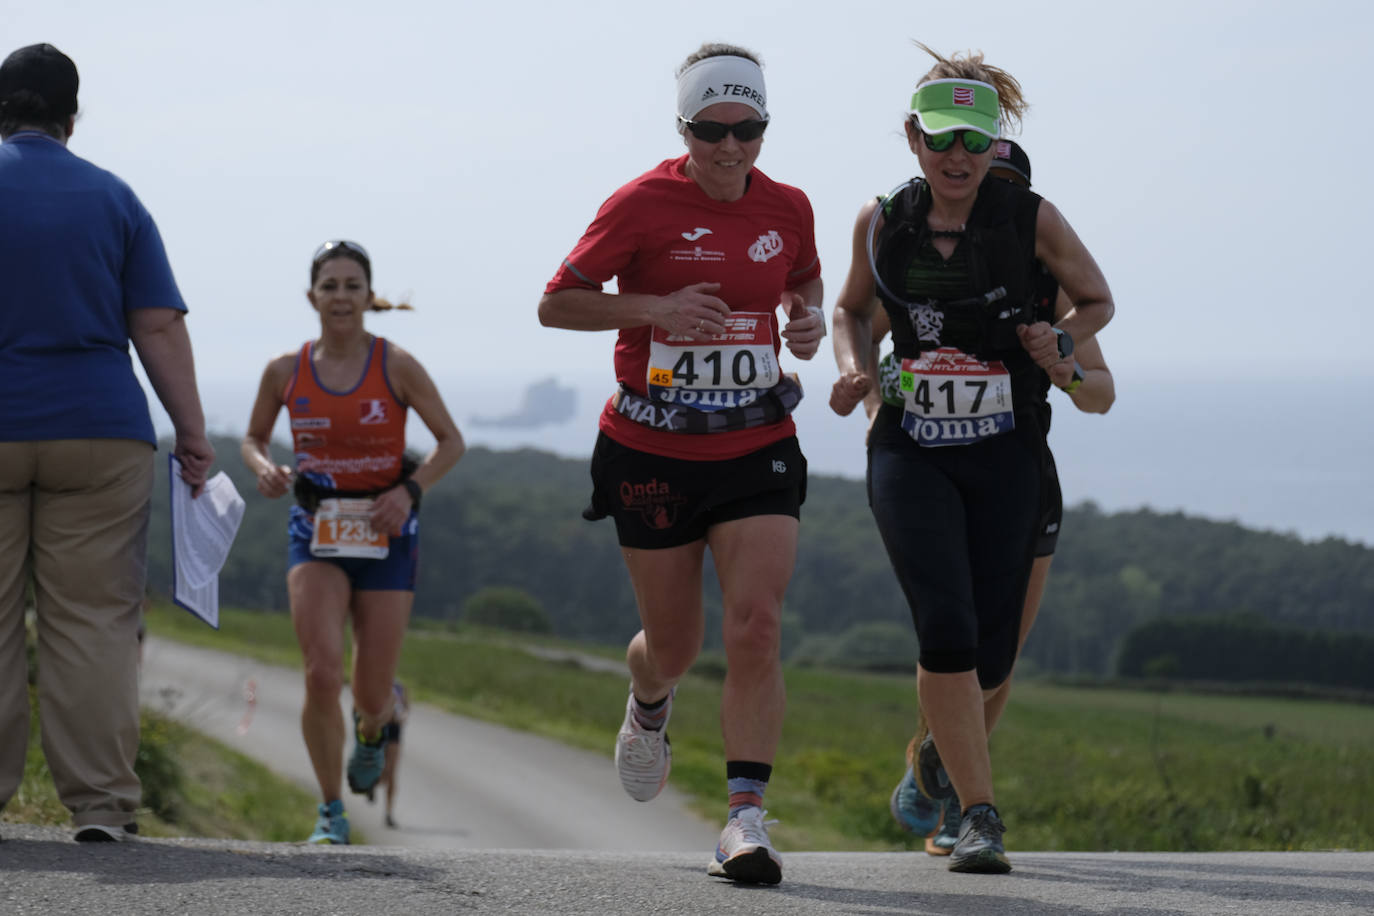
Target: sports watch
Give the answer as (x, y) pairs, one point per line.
(1065, 343)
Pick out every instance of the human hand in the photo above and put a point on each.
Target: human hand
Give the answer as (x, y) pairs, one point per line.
(275, 480)
(196, 455)
(1041, 342)
(691, 312)
(848, 392)
(805, 326)
(390, 509)
(1061, 373)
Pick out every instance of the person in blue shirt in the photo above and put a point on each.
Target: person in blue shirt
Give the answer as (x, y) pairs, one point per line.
(83, 273)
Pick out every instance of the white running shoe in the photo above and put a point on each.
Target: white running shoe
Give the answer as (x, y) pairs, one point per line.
(744, 853)
(643, 756)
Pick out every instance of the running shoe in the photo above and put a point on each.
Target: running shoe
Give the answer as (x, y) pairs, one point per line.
(930, 772)
(744, 853)
(942, 843)
(366, 762)
(643, 756)
(332, 826)
(979, 848)
(911, 809)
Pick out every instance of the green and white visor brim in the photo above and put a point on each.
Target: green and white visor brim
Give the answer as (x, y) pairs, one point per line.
(941, 106)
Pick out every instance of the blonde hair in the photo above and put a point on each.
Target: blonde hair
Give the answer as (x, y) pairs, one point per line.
(970, 66)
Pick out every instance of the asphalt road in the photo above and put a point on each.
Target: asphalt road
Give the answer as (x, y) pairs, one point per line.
(43, 872)
(463, 784)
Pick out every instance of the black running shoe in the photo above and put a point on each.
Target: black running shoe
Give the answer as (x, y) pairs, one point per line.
(979, 848)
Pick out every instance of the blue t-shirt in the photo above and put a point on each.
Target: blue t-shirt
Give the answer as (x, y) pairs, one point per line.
(77, 252)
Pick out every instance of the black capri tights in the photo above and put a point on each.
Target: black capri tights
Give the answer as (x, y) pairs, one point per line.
(959, 524)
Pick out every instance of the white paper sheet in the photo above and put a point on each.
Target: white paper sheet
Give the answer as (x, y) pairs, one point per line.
(203, 530)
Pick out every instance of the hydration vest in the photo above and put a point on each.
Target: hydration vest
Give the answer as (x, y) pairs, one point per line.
(1003, 285)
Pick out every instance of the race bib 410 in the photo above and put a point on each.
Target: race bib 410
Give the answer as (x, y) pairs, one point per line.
(733, 369)
(951, 398)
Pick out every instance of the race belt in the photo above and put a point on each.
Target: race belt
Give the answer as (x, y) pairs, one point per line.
(771, 406)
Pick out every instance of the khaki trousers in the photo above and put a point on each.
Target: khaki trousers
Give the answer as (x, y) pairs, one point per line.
(74, 517)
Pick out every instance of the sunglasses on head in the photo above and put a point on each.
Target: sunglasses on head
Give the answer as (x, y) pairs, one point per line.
(328, 248)
(714, 131)
(974, 142)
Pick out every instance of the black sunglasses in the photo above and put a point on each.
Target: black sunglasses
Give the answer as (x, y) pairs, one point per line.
(714, 131)
(328, 248)
(974, 142)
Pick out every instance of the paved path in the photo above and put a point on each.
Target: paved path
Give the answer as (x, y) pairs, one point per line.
(463, 784)
(43, 872)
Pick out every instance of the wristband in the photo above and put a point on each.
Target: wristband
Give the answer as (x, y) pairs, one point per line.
(415, 492)
(1074, 382)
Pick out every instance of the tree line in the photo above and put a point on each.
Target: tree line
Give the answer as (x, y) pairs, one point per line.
(512, 519)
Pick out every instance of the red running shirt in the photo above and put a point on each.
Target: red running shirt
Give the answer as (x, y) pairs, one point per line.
(347, 440)
(660, 233)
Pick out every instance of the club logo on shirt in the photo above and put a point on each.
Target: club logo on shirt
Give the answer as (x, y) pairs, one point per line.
(765, 247)
(696, 233)
(371, 411)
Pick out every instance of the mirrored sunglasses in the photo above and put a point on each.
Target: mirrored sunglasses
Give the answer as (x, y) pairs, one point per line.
(340, 244)
(974, 142)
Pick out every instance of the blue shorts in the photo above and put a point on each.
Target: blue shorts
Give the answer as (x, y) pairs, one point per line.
(393, 573)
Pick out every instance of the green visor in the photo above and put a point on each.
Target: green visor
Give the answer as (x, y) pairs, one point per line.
(944, 105)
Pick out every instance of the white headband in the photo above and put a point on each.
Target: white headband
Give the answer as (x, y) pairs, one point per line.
(721, 79)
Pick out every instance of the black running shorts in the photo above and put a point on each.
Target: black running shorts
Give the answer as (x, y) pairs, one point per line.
(660, 502)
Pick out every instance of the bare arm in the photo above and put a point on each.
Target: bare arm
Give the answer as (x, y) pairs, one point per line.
(164, 348)
(852, 322)
(273, 480)
(1058, 246)
(693, 311)
(1097, 392)
(414, 386)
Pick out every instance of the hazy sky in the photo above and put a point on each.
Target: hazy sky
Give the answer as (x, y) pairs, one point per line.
(1209, 154)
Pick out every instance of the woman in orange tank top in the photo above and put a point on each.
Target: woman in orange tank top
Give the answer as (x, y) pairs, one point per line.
(354, 534)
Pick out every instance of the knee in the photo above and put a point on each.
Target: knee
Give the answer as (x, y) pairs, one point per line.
(672, 658)
(323, 680)
(753, 631)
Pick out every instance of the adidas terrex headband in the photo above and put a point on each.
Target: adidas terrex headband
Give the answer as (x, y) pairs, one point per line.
(721, 79)
(944, 105)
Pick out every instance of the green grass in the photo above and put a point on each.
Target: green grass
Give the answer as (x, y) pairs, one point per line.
(192, 786)
(1075, 768)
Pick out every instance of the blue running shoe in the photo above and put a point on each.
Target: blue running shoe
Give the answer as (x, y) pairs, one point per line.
(942, 843)
(332, 827)
(366, 762)
(912, 809)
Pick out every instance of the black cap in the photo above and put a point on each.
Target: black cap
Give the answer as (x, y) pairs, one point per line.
(1008, 155)
(38, 82)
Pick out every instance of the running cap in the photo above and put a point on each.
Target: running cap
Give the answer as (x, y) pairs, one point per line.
(941, 106)
(38, 81)
(1008, 154)
(724, 78)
